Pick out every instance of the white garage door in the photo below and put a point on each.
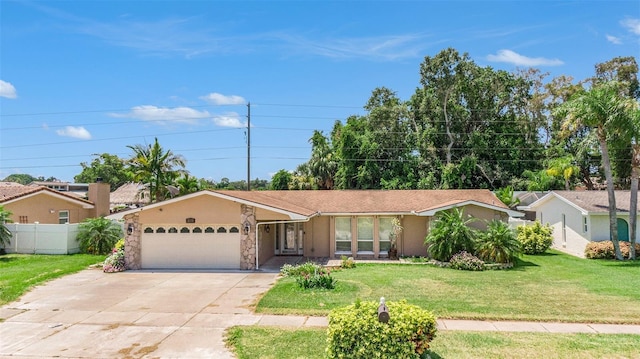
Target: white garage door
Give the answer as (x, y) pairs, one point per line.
(190, 247)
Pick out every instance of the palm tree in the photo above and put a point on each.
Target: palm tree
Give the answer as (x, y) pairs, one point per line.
(632, 130)
(187, 184)
(153, 165)
(498, 244)
(322, 164)
(565, 167)
(5, 233)
(599, 109)
(450, 234)
(98, 235)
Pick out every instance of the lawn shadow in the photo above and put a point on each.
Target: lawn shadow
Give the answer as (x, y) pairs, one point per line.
(4, 259)
(433, 355)
(522, 264)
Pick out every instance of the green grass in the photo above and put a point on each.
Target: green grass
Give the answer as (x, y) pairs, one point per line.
(278, 343)
(20, 272)
(551, 287)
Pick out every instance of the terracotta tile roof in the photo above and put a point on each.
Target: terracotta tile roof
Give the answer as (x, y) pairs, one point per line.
(364, 201)
(11, 191)
(596, 201)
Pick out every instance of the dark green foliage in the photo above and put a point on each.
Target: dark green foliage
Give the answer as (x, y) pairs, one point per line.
(111, 168)
(535, 239)
(280, 180)
(355, 332)
(5, 233)
(98, 235)
(498, 244)
(450, 234)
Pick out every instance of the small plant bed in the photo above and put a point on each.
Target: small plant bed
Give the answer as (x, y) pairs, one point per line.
(310, 275)
(267, 342)
(20, 272)
(532, 290)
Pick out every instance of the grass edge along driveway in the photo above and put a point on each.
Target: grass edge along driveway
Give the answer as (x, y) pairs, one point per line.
(553, 287)
(21, 272)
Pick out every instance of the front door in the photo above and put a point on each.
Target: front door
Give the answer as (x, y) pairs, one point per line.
(289, 238)
(623, 230)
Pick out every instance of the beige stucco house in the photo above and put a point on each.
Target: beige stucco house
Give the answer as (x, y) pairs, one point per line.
(579, 217)
(243, 229)
(41, 204)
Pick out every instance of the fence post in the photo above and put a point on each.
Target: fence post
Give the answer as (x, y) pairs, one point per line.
(35, 236)
(16, 230)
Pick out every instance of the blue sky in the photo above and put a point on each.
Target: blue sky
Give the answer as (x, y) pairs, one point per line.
(79, 78)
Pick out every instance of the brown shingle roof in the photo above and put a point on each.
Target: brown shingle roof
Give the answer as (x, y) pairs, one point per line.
(364, 201)
(596, 201)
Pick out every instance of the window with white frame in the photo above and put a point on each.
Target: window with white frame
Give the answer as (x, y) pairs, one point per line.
(343, 235)
(63, 217)
(385, 229)
(365, 234)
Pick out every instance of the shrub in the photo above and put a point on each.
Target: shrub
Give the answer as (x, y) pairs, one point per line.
(604, 250)
(98, 235)
(5, 233)
(115, 261)
(498, 244)
(309, 275)
(535, 239)
(319, 279)
(449, 235)
(347, 262)
(355, 332)
(466, 261)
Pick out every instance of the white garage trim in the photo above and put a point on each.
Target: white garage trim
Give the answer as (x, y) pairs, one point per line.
(179, 246)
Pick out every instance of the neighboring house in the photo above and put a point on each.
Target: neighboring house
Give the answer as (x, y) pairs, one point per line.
(129, 195)
(579, 217)
(31, 204)
(77, 189)
(525, 198)
(243, 229)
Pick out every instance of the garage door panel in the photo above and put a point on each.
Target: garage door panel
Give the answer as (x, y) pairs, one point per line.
(190, 250)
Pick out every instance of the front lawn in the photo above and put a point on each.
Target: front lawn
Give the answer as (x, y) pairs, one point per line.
(20, 272)
(278, 343)
(550, 287)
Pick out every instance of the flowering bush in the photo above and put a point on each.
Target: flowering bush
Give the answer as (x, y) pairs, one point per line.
(347, 262)
(355, 331)
(466, 261)
(604, 250)
(115, 261)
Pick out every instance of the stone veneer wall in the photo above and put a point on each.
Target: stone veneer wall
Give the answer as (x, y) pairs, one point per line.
(132, 258)
(248, 241)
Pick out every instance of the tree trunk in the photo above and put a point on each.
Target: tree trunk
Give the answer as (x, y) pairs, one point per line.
(613, 219)
(633, 205)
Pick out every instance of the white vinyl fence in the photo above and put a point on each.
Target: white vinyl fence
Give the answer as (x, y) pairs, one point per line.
(43, 238)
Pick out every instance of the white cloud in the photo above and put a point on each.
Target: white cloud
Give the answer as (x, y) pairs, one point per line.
(164, 114)
(220, 99)
(614, 40)
(7, 90)
(75, 132)
(512, 57)
(231, 119)
(633, 25)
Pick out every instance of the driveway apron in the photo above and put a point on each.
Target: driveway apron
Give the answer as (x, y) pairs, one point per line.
(133, 314)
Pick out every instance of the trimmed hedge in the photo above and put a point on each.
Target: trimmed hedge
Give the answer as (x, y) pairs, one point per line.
(354, 331)
(535, 239)
(604, 250)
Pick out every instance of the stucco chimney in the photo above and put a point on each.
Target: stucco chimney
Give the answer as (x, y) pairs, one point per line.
(99, 193)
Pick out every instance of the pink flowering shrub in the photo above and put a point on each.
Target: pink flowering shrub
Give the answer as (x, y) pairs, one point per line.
(115, 261)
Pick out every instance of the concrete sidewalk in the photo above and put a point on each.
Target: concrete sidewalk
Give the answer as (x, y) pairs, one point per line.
(467, 325)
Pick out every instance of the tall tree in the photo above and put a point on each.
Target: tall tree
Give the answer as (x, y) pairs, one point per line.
(187, 184)
(111, 168)
(158, 168)
(280, 180)
(599, 109)
(322, 165)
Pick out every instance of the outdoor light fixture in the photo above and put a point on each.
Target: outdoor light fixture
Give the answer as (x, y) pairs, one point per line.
(130, 229)
(246, 227)
(267, 228)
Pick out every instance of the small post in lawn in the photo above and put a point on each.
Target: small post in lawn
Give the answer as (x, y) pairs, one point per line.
(383, 311)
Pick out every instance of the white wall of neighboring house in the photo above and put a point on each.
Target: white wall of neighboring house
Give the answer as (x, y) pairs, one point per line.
(567, 223)
(43, 238)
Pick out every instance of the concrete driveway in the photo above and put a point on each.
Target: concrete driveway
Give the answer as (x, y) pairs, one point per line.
(133, 314)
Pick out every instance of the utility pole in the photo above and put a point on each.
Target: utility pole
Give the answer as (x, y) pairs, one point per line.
(248, 146)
